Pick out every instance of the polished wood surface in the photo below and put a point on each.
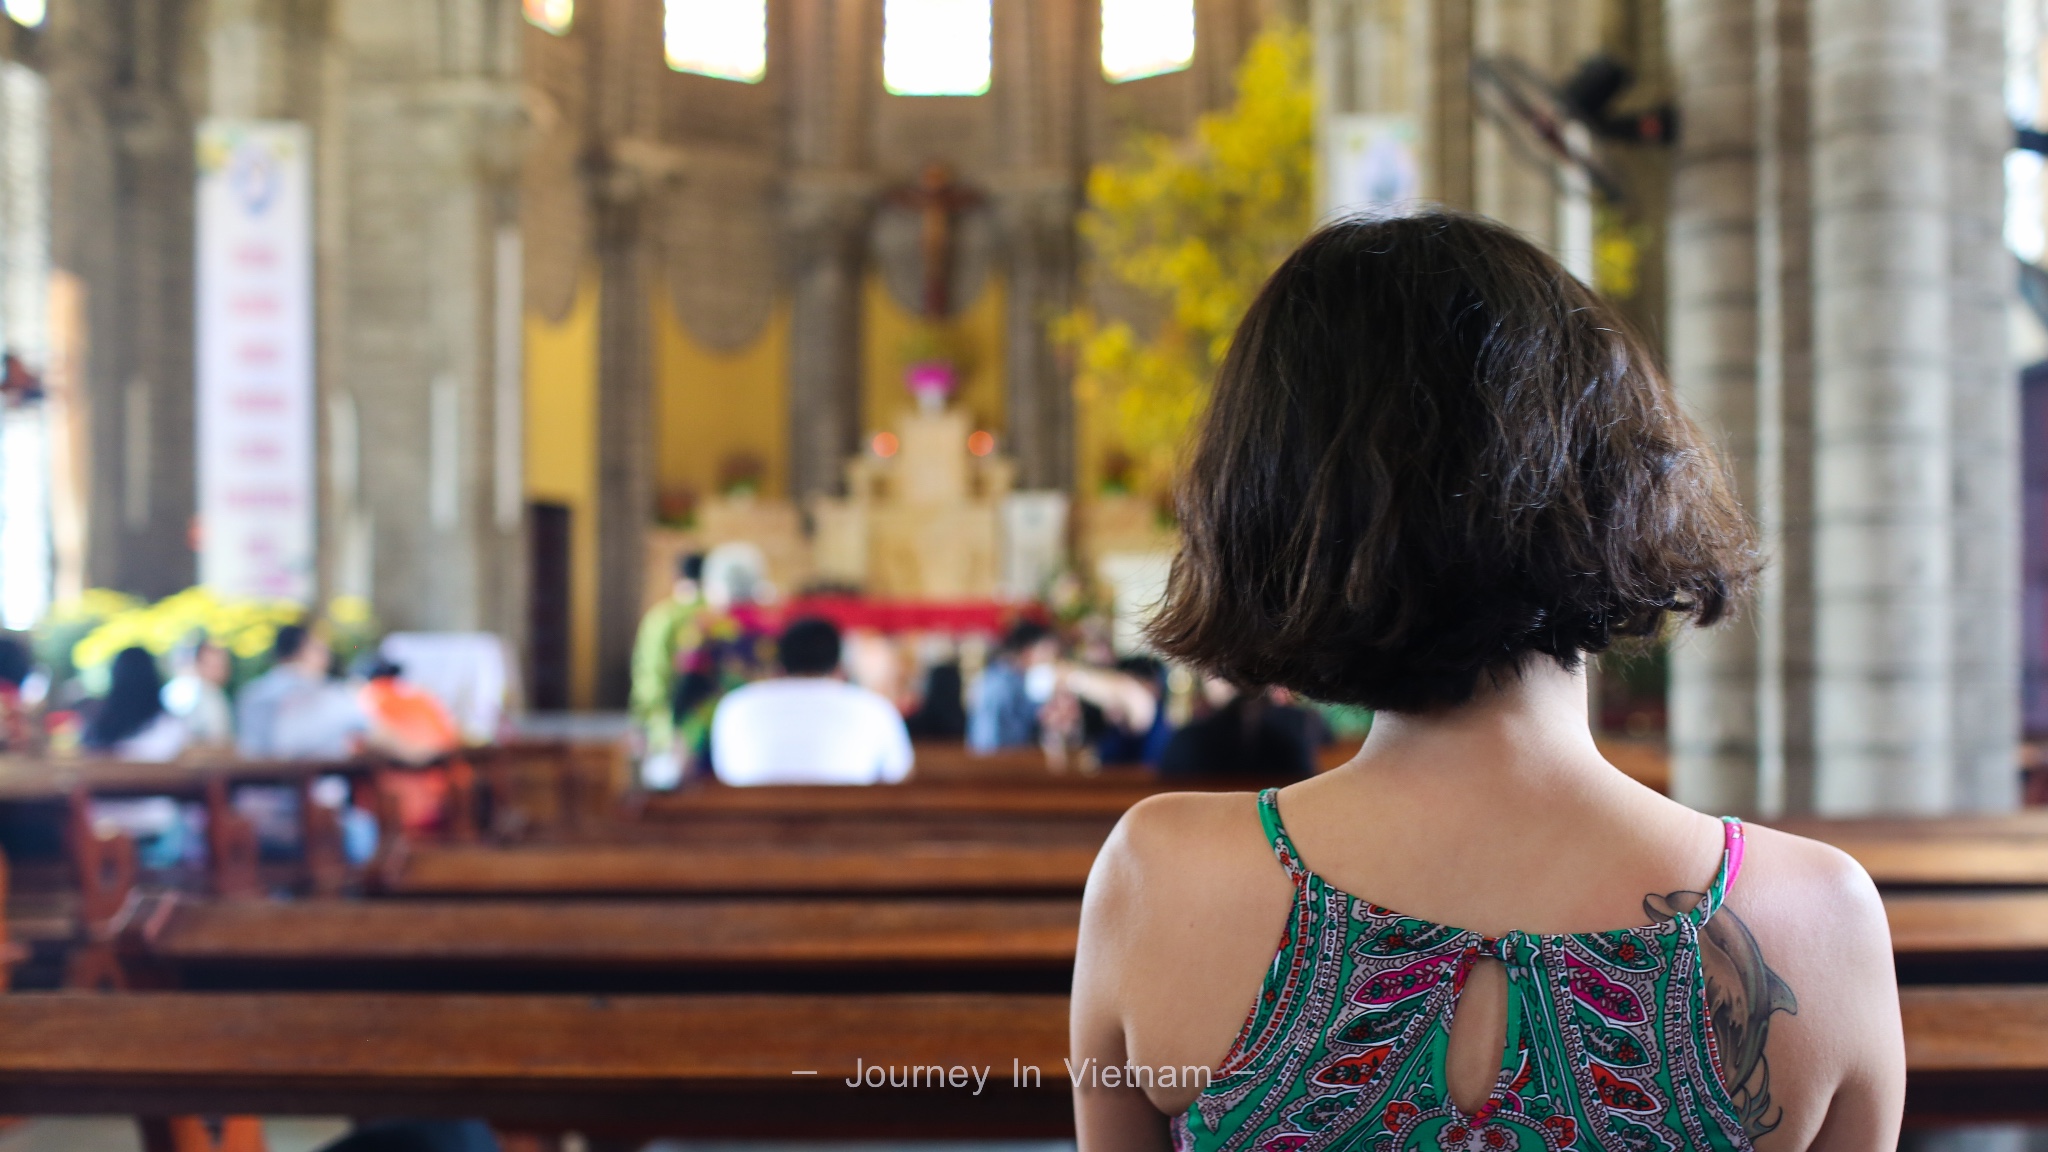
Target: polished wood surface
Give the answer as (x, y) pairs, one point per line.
(1968, 922)
(671, 934)
(1930, 863)
(1082, 797)
(1979, 1051)
(706, 1064)
(681, 869)
(2009, 850)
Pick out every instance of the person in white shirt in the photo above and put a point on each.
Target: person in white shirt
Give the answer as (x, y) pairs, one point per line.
(197, 695)
(808, 726)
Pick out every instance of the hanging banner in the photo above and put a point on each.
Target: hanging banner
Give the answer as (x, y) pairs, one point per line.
(255, 393)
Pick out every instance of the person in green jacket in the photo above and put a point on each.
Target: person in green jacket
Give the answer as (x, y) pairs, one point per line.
(668, 631)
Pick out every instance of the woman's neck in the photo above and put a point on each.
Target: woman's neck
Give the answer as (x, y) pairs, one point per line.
(1521, 725)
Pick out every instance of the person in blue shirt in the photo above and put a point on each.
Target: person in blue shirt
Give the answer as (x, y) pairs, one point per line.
(1018, 681)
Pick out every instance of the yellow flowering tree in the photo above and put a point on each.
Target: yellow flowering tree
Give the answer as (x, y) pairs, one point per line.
(1185, 231)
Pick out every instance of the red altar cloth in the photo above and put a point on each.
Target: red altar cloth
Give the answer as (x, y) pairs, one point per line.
(850, 613)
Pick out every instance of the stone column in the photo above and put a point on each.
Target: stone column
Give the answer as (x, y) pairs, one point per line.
(1042, 68)
(1448, 176)
(835, 55)
(1784, 503)
(827, 227)
(1713, 346)
(625, 436)
(1882, 408)
(121, 219)
(417, 174)
(1985, 418)
(625, 63)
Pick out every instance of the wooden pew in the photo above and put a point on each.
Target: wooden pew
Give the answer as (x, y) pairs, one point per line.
(722, 1065)
(1936, 938)
(1969, 937)
(182, 942)
(709, 1066)
(1947, 852)
(1976, 1053)
(640, 869)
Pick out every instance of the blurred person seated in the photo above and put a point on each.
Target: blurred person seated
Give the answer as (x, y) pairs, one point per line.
(16, 666)
(130, 723)
(411, 725)
(808, 726)
(1019, 680)
(668, 633)
(197, 692)
(293, 711)
(941, 710)
(405, 720)
(1245, 735)
(1118, 714)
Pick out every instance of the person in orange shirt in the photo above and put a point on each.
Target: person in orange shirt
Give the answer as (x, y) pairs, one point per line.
(409, 724)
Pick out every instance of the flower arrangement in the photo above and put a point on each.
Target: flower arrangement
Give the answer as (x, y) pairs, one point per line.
(80, 638)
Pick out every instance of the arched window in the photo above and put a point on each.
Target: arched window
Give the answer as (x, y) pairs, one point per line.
(937, 47)
(549, 15)
(1146, 38)
(727, 39)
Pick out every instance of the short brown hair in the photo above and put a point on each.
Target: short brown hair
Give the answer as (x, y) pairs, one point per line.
(1432, 453)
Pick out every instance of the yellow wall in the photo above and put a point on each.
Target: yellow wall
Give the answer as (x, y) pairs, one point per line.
(711, 404)
(887, 331)
(561, 460)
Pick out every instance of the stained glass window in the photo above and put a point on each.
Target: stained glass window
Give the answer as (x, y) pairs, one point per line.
(552, 15)
(27, 13)
(723, 38)
(1146, 37)
(937, 47)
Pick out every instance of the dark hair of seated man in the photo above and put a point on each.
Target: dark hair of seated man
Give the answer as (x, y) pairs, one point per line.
(810, 647)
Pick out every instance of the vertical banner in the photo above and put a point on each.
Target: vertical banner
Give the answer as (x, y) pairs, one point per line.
(255, 321)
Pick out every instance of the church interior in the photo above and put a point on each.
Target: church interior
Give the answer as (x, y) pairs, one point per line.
(424, 422)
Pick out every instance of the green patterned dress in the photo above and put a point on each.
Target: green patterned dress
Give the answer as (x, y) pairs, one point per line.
(1608, 1045)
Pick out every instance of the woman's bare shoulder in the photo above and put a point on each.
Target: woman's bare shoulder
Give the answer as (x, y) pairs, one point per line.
(1799, 976)
(1175, 834)
(1182, 857)
(1816, 885)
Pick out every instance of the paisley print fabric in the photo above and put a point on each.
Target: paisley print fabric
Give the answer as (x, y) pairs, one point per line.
(1608, 1046)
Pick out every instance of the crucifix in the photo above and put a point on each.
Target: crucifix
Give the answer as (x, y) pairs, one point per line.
(937, 198)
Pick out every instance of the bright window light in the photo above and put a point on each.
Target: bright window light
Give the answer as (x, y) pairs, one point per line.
(727, 39)
(1146, 37)
(937, 47)
(550, 15)
(28, 13)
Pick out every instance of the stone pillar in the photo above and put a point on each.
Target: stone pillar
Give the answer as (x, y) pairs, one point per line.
(417, 176)
(835, 57)
(1784, 502)
(625, 437)
(1882, 408)
(1713, 346)
(121, 221)
(826, 232)
(1036, 200)
(1984, 418)
(626, 118)
(1448, 134)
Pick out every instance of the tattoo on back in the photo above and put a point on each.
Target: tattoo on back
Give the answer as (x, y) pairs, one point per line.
(1742, 996)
